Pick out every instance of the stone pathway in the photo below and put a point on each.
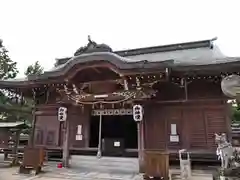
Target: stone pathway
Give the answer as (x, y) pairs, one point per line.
(70, 174)
(11, 174)
(90, 168)
(74, 175)
(93, 172)
(7, 173)
(196, 174)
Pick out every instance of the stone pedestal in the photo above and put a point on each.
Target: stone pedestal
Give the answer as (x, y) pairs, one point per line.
(227, 174)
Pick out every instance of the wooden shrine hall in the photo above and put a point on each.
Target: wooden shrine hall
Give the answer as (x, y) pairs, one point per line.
(177, 85)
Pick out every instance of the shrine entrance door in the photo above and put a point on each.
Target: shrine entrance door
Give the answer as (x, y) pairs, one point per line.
(117, 131)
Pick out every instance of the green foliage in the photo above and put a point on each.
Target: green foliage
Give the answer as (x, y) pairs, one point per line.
(8, 68)
(236, 114)
(24, 112)
(11, 110)
(34, 69)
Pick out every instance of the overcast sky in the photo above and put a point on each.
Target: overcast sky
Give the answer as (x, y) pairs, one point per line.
(42, 30)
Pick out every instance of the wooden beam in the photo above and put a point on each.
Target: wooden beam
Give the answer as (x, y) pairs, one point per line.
(186, 101)
(100, 81)
(95, 69)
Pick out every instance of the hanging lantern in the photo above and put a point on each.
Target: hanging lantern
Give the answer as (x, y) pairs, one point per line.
(137, 113)
(62, 114)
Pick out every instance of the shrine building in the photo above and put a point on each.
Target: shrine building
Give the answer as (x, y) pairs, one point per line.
(177, 85)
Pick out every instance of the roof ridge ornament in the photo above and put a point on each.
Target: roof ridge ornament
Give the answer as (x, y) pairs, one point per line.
(91, 47)
(214, 39)
(90, 40)
(212, 42)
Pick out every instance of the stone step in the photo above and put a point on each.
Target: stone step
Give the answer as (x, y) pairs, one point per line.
(107, 168)
(105, 164)
(98, 177)
(110, 163)
(195, 176)
(94, 158)
(103, 161)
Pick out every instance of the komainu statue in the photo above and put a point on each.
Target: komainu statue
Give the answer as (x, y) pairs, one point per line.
(229, 156)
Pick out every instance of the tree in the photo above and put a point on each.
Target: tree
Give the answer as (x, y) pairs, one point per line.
(34, 69)
(10, 110)
(236, 113)
(24, 112)
(8, 68)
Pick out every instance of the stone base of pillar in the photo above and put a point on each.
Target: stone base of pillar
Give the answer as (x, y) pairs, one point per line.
(141, 167)
(66, 163)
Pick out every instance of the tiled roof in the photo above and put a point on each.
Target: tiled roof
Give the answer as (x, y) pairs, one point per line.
(147, 53)
(10, 124)
(191, 56)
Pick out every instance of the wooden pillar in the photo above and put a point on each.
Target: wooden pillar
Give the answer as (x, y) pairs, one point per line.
(99, 153)
(32, 133)
(86, 128)
(66, 133)
(140, 146)
(138, 118)
(228, 120)
(15, 148)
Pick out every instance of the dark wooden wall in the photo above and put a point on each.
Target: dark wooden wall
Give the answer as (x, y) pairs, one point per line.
(46, 126)
(197, 89)
(77, 116)
(49, 131)
(196, 124)
(198, 117)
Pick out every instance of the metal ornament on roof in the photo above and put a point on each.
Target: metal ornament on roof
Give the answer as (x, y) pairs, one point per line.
(81, 97)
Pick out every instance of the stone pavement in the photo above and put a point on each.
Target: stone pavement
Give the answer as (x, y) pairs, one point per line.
(11, 174)
(7, 173)
(91, 168)
(74, 175)
(196, 174)
(71, 174)
(64, 174)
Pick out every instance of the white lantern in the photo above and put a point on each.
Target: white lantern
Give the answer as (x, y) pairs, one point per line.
(137, 113)
(62, 114)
